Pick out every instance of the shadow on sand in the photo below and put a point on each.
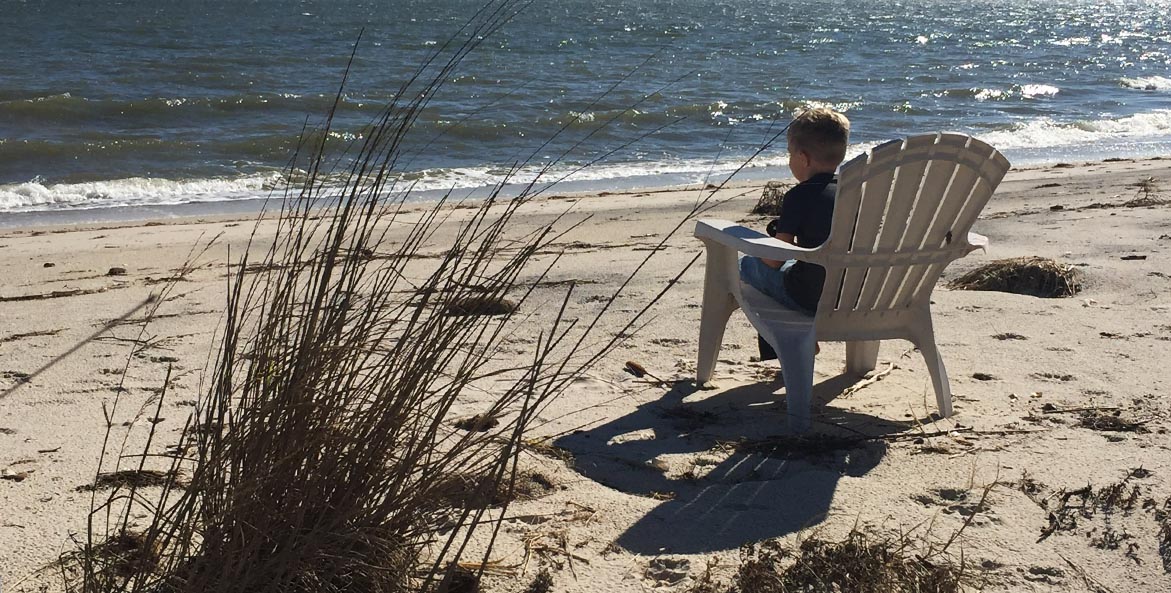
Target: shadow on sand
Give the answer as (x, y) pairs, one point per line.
(702, 449)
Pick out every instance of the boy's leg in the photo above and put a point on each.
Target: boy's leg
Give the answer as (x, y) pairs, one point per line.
(757, 274)
(770, 281)
(767, 280)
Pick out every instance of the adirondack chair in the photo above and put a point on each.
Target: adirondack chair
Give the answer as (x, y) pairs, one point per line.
(902, 213)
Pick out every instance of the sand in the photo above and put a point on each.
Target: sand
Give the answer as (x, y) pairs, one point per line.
(658, 488)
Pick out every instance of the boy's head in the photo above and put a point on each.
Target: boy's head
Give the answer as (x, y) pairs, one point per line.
(817, 142)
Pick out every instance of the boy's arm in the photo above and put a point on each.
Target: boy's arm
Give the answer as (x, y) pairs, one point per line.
(786, 237)
(784, 226)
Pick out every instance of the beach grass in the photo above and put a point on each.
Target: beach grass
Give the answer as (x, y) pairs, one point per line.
(323, 453)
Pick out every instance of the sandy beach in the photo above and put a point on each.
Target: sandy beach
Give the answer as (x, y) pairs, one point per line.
(650, 486)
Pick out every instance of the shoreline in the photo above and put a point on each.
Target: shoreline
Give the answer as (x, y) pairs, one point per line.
(658, 469)
(30, 193)
(250, 208)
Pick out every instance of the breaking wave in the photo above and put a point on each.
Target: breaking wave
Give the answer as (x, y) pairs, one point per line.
(1020, 91)
(136, 191)
(36, 195)
(1147, 83)
(1046, 132)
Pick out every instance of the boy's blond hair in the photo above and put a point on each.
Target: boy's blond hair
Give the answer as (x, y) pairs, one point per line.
(823, 133)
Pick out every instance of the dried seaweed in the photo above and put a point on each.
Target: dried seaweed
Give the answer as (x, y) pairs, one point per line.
(1114, 422)
(1033, 276)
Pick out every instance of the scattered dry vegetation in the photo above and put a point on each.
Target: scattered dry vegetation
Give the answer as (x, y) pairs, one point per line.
(542, 583)
(707, 582)
(1113, 422)
(1163, 518)
(858, 563)
(123, 554)
(1095, 512)
(1147, 194)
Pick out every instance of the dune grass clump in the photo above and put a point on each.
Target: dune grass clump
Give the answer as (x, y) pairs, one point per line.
(859, 563)
(1032, 276)
(322, 454)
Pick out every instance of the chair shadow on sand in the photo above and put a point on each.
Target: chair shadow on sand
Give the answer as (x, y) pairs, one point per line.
(757, 492)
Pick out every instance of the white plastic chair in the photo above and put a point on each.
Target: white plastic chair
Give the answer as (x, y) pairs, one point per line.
(902, 213)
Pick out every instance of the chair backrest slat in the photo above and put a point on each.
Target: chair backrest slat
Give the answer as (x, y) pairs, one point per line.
(873, 196)
(992, 170)
(912, 167)
(918, 194)
(882, 181)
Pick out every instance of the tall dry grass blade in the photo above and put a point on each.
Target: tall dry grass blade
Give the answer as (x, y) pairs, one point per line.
(319, 455)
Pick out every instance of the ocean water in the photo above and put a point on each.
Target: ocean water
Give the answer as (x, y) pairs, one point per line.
(126, 104)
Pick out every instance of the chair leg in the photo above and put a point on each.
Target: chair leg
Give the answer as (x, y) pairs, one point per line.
(924, 339)
(862, 357)
(796, 351)
(718, 305)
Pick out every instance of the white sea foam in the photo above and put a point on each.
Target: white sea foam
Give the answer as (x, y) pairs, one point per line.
(1147, 83)
(1045, 132)
(1030, 91)
(682, 170)
(38, 196)
(1025, 91)
(136, 191)
(989, 94)
(841, 106)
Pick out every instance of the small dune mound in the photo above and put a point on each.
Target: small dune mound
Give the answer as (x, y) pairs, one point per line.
(1033, 276)
(479, 305)
(483, 490)
(132, 479)
(478, 423)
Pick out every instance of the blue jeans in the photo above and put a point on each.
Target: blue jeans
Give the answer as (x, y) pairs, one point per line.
(770, 281)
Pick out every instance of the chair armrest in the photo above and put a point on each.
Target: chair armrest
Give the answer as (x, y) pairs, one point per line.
(978, 241)
(746, 240)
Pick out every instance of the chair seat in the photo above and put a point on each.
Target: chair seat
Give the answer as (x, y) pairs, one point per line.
(772, 312)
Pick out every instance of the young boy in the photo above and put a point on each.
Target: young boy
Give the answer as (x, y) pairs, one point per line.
(817, 145)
